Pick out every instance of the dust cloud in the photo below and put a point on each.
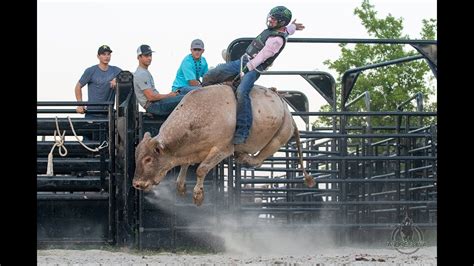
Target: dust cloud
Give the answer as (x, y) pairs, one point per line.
(249, 233)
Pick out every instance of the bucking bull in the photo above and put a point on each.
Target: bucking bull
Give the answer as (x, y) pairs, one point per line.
(201, 129)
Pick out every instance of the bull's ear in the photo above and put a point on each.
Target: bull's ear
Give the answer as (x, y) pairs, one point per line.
(147, 136)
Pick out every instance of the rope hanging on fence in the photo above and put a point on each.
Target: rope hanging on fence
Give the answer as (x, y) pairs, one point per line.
(62, 149)
(104, 144)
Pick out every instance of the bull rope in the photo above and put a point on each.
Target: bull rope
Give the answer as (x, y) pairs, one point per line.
(62, 149)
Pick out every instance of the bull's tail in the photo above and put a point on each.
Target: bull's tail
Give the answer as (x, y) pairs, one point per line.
(308, 179)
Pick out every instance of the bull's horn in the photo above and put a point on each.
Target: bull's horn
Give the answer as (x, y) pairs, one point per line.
(147, 135)
(224, 54)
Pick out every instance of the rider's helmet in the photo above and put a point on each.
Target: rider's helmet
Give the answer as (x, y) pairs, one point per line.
(282, 16)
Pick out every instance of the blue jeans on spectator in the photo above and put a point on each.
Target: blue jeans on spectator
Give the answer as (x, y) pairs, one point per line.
(184, 90)
(227, 71)
(91, 116)
(166, 106)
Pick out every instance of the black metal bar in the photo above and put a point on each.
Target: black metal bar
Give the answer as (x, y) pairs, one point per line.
(68, 111)
(350, 157)
(324, 225)
(140, 225)
(353, 128)
(415, 96)
(307, 151)
(299, 73)
(73, 103)
(129, 195)
(75, 241)
(360, 40)
(288, 196)
(68, 183)
(230, 184)
(89, 196)
(347, 40)
(409, 170)
(63, 123)
(385, 135)
(290, 169)
(70, 164)
(328, 180)
(112, 226)
(362, 95)
(290, 189)
(238, 181)
(386, 63)
(343, 203)
(383, 193)
(385, 141)
(286, 210)
(372, 113)
(422, 148)
(343, 168)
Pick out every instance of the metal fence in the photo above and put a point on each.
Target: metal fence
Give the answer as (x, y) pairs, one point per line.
(368, 176)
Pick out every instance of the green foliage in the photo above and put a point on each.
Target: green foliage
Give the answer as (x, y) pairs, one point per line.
(391, 85)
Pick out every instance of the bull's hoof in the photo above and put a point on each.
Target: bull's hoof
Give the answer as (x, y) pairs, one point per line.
(181, 189)
(198, 197)
(309, 181)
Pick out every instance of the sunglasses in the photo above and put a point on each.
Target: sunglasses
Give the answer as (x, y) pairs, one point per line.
(197, 49)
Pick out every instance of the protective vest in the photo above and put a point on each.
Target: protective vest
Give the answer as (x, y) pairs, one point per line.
(258, 44)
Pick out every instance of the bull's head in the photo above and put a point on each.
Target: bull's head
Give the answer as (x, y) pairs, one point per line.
(149, 166)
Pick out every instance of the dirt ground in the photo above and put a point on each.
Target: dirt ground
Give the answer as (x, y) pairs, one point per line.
(338, 256)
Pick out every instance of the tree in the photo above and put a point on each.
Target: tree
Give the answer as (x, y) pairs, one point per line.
(391, 85)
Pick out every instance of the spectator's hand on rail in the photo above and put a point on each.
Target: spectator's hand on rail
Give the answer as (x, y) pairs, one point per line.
(80, 109)
(113, 83)
(173, 94)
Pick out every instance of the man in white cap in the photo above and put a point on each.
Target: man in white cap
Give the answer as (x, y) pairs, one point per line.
(144, 86)
(192, 68)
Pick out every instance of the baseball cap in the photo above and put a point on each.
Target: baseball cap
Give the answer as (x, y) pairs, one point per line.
(104, 48)
(144, 49)
(197, 43)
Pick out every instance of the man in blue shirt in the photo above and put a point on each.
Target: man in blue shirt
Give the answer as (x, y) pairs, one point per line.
(100, 80)
(192, 68)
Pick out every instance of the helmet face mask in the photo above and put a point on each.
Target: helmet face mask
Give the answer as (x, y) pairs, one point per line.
(281, 14)
(271, 22)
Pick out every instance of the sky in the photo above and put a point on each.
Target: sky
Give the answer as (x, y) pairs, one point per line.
(71, 31)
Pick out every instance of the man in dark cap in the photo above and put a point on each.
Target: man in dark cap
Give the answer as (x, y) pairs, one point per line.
(100, 80)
